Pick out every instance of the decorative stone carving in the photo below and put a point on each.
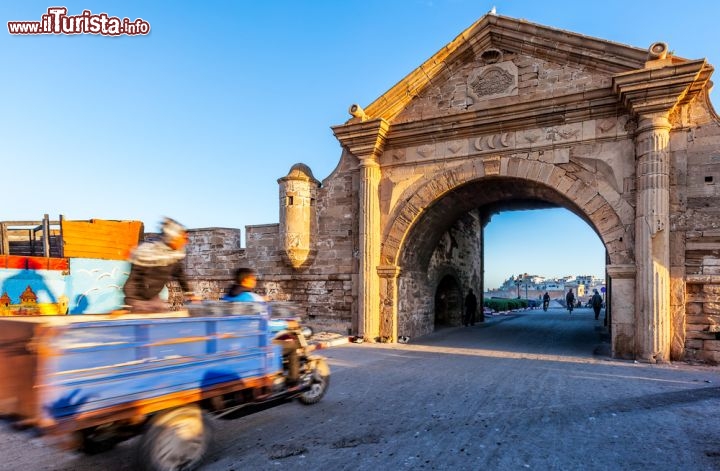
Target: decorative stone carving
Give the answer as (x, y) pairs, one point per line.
(398, 155)
(531, 138)
(657, 51)
(454, 147)
(494, 141)
(562, 134)
(631, 125)
(606, 125)
(426, 151)
(492, 165)
(491, 56)
(493, 81)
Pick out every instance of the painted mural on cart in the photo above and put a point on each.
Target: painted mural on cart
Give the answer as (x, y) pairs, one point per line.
(86, 285)
(82, 271)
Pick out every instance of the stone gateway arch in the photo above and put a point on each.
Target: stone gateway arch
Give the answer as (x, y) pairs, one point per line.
(514, 115)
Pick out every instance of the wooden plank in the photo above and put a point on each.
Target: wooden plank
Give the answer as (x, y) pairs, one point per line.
(97, 238)
(5, 249)
(46, 236)
(28, 223)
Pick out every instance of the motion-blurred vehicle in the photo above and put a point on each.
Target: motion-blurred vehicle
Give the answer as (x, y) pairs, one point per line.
(89, 382)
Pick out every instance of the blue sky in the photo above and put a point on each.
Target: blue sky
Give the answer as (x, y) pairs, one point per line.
(198, 119)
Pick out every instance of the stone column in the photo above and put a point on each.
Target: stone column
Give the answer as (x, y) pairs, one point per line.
(622, 306)
(651, 94)
(366, 141)
(369, 234)
(652, 241)
(388, 301)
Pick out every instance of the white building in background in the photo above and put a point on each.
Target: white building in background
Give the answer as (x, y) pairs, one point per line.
(534, 286)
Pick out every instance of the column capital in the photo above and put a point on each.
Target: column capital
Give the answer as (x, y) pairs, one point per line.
(388, 271)
(653, 122)
(618, 271)
(657, 90)
(365, 140)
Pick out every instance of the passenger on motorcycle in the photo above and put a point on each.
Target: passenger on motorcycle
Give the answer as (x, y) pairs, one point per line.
(241, 290)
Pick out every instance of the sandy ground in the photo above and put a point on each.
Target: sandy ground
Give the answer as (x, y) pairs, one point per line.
(531, 390)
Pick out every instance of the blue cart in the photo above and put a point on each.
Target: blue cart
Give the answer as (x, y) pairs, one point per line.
(88, 382)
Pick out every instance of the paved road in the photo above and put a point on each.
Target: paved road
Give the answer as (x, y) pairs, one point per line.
(528, 391)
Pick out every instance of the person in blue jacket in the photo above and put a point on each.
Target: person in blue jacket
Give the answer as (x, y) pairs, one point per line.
(241, 290)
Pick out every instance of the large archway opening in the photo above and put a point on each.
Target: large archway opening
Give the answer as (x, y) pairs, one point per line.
(449, 236)
(529, 253)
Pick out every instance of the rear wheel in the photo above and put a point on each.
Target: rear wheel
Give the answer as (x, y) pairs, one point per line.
(320, 380)
(176, 440)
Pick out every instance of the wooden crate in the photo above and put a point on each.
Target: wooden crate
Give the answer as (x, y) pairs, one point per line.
(97, 238)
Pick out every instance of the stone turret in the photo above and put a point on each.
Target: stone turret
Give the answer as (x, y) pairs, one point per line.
(297, 214)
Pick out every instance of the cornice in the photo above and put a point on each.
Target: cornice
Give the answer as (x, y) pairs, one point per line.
(365, 140)
(565, 46)
(659, 90)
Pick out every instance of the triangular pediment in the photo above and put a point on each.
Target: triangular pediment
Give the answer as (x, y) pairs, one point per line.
(499, 61)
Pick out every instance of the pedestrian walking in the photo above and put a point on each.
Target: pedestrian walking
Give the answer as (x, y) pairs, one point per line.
(596, 302)
(470, 308)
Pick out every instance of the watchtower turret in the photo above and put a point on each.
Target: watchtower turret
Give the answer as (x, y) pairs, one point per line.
(297, 213)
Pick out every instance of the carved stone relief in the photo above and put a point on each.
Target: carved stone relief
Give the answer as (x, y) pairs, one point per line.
(426, 151)
(492, 165)
(493, 81)
(494, 141)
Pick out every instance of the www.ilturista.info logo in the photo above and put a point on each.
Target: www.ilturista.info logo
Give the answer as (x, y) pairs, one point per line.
(57, 21)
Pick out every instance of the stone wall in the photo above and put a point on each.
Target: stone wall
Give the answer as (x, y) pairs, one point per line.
(324, 287)
(703, 319)
(695, 236)
(325, 299)
(458, 255)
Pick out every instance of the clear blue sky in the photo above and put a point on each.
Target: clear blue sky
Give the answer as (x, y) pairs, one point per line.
(548, 242)
(198, 119)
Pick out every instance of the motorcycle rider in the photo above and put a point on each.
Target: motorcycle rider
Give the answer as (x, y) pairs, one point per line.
(546, 301)
(153, 265)
(570, 300)
(241, 291)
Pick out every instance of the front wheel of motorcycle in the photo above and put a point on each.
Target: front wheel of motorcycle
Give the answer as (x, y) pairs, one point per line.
(319, 381)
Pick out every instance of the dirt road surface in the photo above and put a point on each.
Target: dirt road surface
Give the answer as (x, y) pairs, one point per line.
(531, 390)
